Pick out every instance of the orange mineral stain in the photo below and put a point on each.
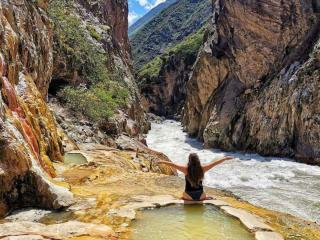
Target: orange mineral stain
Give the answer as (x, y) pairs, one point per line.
(27, 130)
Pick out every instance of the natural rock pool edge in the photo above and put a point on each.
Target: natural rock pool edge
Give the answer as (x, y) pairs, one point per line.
(253, 223)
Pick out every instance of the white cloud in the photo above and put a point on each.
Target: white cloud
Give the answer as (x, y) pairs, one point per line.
(132, 17)
(147, 4)
(143, 3)
(157, 2)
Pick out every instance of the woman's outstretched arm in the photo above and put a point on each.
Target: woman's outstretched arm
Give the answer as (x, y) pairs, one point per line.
(181, 168)
(214, 163)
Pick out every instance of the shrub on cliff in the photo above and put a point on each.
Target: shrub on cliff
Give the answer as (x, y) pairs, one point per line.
(77, 45)
(190, 46)
(73, 44)
(186, 50)
(99, 102)
(152, 68)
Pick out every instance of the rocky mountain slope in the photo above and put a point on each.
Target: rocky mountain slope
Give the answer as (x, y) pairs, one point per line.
(255, 85)
(168, 28)
(163, 80)
(92, 65)
(149, 16)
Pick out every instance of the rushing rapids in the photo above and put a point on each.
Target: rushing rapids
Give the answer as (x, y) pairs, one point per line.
(274, 183)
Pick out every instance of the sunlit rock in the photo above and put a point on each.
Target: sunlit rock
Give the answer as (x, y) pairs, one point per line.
(28, 133)
(254, 85)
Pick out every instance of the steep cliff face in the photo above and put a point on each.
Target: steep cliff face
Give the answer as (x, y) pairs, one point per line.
(254, 86)
(114, 14)
(28, 136)
(92, 59)
(164, 94)
(163, 81)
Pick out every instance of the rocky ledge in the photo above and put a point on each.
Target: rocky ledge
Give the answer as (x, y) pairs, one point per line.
(114, 184)
(252, 222)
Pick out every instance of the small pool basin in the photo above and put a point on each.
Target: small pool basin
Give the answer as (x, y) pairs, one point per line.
(188, 222)
(74, 158)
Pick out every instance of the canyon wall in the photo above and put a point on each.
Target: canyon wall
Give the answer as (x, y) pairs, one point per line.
(29, 140)
(255, 85)
(37, 59)
(164, 51)
(164, 93)
(163, 81)
(92, 51)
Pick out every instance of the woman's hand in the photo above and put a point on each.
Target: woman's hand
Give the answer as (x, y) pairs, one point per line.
(178, 167)
(214, 163)
(162, 162)
(228, 158)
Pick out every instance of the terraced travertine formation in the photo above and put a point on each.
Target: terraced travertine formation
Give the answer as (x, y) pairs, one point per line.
(45, 46)
(115, 184)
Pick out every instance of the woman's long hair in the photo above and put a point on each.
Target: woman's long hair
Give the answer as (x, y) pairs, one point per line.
(195, 170)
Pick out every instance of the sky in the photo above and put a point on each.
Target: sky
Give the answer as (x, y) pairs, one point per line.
(138, 8)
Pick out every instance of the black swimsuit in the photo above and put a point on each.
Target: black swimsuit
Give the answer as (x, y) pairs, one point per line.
(194, 192)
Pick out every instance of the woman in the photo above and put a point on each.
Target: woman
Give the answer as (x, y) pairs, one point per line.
(194, 174)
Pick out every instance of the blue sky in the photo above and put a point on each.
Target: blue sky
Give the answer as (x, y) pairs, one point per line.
(137, 8)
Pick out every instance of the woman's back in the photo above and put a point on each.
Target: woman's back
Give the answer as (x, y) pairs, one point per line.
(194, 174)
(189, 186)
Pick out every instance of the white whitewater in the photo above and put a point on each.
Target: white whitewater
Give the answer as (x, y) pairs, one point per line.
(274, 183)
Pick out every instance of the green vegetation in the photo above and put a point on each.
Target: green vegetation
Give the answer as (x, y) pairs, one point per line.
(98, 103)
(169, 28)
(152, 68)
(94, 33)
(71, 40)
(190, 46)
(187, 50)
(148, 17)
(75, 47)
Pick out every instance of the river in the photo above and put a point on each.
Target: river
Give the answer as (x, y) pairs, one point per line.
(270, 182)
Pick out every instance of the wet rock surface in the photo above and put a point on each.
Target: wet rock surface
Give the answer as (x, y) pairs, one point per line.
(111, 188)
(268, 236)
(28, 134)
(30, 230)
(30, 67)
(33, 215)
